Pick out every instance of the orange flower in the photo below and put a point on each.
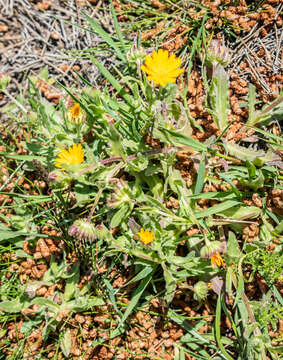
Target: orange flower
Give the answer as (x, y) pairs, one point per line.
(216, 259)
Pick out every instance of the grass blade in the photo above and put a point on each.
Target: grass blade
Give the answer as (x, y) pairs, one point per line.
(112, 80)
(177, 139)
(201, 175)
(137, 294)
(117, 27)
(217, 208)
(217, 329)
(98, 29)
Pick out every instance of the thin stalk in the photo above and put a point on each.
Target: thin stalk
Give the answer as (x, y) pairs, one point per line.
(128, 158)
(16, 102)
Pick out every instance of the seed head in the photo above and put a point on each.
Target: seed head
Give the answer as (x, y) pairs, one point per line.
(83, 230)
(217, 53)
(200, 291)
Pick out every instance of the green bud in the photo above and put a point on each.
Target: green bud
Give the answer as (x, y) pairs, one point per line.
(32, 116)
(122, 195)
(217, 53)
(136, 56)
(200, 291)
(92, 92)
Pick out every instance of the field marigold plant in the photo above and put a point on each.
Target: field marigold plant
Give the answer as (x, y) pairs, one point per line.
(162, 68)
(146, 236)
(73, 156)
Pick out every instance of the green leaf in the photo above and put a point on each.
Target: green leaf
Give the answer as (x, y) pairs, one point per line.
(12, 306)
(71, 283)
(51, 305)
(201, 175)
(137, 295)
(256, 157)
(98, 30)
(252, 100)
(44, 73)
(66, 343)
(117, 27)
(267, 134)
(121, 215)
(142, 274)
(177, 139)
(111, 293)
(279, 228)
(216, 209)
(116, 142)
(29, 325)
(23, 157)
(192, 334)
(254, 183)
(94, 301)
(7, 235)
(218, 329)
(170, 284)
(218, 93)
(112, 81)
(241, 212)
(233, 253)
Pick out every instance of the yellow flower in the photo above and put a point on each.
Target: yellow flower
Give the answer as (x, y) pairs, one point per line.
(75, 114)
(209, 286)
(74, 155)
(146, 237)
(162, 68)
(216, 259)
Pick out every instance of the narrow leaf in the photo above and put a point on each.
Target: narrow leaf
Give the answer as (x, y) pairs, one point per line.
(137, 295)
(201, 175)
(117, 27)
(66, 343)
(217, 208)
(217, 329)
(177, 139)
(106, 37)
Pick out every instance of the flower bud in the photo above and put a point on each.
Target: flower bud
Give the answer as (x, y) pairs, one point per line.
(136, 56)
(217, 53)
(213, 247)
(75, 114)
(122, 195)
(83, 230)
(200, 291)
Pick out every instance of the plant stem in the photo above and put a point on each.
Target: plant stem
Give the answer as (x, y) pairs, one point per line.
(129, 158)
(16, 102)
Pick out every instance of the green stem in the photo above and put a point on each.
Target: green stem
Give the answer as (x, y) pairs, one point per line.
(16, 102)
(226, 157)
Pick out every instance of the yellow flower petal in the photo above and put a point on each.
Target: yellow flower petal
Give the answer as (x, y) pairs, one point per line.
(146, 237)
(73, 156)
(162, 68)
